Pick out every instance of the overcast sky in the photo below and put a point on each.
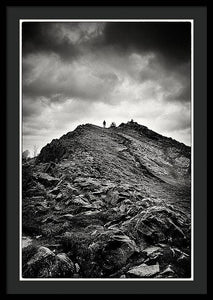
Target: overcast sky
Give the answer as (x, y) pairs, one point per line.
(84, 72)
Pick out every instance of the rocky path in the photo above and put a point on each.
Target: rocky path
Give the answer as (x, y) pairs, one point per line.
(104, 203)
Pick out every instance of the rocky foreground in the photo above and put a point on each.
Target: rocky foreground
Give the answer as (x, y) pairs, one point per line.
(107, 203)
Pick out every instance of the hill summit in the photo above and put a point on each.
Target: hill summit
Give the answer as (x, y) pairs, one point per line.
(108, 203)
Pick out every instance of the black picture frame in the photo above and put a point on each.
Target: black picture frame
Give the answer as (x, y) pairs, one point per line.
(199, 14)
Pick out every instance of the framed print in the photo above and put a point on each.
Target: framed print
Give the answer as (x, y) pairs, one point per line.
(109, 108)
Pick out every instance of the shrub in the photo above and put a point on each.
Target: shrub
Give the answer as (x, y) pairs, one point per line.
(113, 125)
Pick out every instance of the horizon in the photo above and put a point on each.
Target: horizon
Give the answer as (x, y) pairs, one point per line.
(98, 125)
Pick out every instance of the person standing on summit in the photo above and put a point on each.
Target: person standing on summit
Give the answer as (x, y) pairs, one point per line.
(104, 123)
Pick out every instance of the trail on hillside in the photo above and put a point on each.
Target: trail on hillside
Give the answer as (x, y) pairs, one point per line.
(108, 203)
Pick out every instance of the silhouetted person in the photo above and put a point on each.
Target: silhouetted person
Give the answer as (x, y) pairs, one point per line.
(104, 123)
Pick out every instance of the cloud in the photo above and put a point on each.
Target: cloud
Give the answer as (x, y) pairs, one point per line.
(76, 73)
(52, 78)
(62, 39)
(170, 39)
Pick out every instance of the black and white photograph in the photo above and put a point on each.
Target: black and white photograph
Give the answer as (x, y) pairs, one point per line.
(106, 159)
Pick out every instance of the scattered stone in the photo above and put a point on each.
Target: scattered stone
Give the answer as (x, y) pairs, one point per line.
(38, 236)
(168, 271)
(67, 217)
(68, 202)
(151, 250)
(46, 179)
(59, 197)
(55, 191)
(144, 270)
(58, 207)
(77, 267)
(115, 200)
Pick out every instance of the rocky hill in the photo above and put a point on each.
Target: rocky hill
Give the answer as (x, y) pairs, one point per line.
(108, 203)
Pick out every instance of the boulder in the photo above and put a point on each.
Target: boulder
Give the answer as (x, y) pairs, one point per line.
(115, 248)
(158, 223)
(45, 264)
(63, 266)
(144, 271)
(46, 179)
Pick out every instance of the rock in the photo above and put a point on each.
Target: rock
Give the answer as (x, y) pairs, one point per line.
(47, 220)
(161, 255)
(58, 207)
(122, 208)
(45, 264)
(97, 193)
(38, 265)
(72, 190)
(151, 250)
(80, 201)
(98, 204)
(158, 223)
(46, 179)
(110, 210)
(77, 267)
(26, 241)
(42, 207)
(52, 152)
(55, 191)
(59, 197)
(90, 213)
(184, 263)
(183, 258)
(35, 191)
(168, 271)
(68, 202)
(38, 236)
(37, 198)
(63, 266)
(124, 194)
(116, 249)
(53, 247)
(67, 217)
(112, 196)
(144, 270)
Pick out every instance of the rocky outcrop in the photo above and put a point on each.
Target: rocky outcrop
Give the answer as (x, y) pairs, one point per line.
(144, 271)
(108, 203)
(46, 179)
(44, 263)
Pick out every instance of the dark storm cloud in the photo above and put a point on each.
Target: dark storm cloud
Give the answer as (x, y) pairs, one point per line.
(62, 38)
(170, 39)
(169, 78)
(81, 72)
(170, 44)
(42, 38)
